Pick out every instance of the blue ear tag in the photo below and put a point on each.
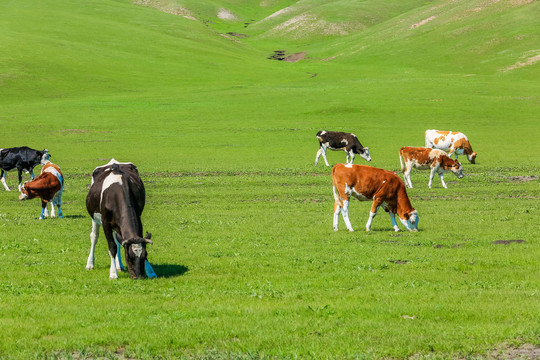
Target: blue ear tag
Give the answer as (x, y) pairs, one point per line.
(149, 271)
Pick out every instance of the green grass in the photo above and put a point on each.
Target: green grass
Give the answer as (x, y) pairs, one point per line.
(248, 263)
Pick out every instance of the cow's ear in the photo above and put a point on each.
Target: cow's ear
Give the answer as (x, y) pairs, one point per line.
(148, 235)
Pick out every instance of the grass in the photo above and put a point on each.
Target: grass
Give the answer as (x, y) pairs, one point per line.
(248, 263)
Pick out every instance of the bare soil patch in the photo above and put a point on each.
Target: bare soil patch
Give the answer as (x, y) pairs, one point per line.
(508, 242)
(281, 55)
(523, 178)
(521, 352)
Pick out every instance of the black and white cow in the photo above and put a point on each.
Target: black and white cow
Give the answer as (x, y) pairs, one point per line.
(347, 142)
(116, 201)
(23, 159)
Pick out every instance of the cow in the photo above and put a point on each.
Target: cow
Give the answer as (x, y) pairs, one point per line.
(365, 183)
(425, 158)
(23, 159)
(48, 186)
(116, 201)
(453, 142)
(347, 142)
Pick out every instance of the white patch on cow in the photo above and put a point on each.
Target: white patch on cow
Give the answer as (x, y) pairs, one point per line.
(345, 141)
(436, 153)
(348, 166)
(109, 180)
(323, 132)
(137, 249)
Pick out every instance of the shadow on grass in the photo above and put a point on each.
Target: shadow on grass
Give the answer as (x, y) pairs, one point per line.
(169, 270)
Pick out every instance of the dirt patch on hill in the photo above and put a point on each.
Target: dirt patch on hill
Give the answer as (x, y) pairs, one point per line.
(423, 22)
(281, 55)
(528, 62)
(522, 352)
(508, 242)
(166, 7)
(523, 178)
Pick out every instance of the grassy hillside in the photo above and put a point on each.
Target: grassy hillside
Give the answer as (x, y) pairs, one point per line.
(248, 263)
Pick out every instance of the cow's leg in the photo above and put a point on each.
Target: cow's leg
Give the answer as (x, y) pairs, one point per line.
(323, 148)
(118, 258)
(3, 176)
(58, 201)
(431, 175)
(351, 154)
(113, 249)
(94, 235)
(374, 207)
(337, 209)
(441, 176)
(407, 174)
(394, 223)
(345, 214)
(44, 210)
(19, 171)
(318, 156)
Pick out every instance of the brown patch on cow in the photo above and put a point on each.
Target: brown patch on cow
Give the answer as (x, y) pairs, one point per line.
(508, 242)
(463, 144)
(522, 178)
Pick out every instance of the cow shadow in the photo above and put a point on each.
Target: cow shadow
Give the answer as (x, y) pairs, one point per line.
(169, 270)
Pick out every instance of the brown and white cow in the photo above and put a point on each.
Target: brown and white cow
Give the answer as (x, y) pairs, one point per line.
(116, 201)
(49, 185)
(347, 142)
(365, 183)
(453, 142)
(425, 158)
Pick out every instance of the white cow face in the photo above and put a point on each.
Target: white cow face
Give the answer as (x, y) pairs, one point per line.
(411, 221)
(136, 255)
(365, 154)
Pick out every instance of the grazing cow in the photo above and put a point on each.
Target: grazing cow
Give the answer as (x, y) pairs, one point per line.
(23, 159)
(425, 158)
(365, 183)
(453, 142)
(116, 201)
(347, 142)
(49, 185)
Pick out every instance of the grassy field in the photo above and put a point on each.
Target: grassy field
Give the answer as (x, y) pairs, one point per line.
(248, 263)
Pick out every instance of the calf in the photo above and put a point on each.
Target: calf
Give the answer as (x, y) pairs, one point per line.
(116, 201)
(453, 142)
(425, 158)
(49, 185)
(23, 159)
(340, 141)
(365, 183)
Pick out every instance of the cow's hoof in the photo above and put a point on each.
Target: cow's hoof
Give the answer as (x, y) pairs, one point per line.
(113, 276)
(89, 267)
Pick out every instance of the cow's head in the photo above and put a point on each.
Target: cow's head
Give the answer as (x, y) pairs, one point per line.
(136, 254)
(25, 193)
(45, 157)
(453, 166)
(364, 152)
(411, 220)
(472, 157)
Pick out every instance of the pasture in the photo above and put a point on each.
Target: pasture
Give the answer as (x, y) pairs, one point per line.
(247, 261)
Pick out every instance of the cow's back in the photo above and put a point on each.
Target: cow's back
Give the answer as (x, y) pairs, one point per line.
(366, 180)
(130, 177)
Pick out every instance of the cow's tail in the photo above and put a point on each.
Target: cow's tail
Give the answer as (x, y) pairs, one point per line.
(337, 198)
(401, 160)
